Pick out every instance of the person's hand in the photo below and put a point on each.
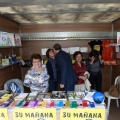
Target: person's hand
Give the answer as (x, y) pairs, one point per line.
(83, 77)
(100, 57)
(92, 60)
(61, 85)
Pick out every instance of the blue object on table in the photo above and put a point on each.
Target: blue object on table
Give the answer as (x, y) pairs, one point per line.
(61, 104)
(98, 97)
(91, 104)
(56, 104)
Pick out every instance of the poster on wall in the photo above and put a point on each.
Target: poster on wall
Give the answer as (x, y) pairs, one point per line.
(118, 38)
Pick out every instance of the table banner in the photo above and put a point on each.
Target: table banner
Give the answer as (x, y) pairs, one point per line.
(34, 114)
(82, 114)
(3, 114)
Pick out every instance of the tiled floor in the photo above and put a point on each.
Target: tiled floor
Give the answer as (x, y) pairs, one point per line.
(114, 113)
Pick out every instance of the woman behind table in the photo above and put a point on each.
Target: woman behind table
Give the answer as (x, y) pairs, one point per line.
(80, 69)
(52, 70)
(37, 76)
(94, 63)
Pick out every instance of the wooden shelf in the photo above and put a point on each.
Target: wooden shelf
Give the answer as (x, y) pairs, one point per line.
(10, 47)
(2, 67)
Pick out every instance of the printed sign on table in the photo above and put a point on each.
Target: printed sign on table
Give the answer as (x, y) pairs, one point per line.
(34, 114)
(3, 114)
(82, 114)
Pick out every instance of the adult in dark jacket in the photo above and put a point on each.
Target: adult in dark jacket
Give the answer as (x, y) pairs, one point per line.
(66, 74)
(52, 70)
(94, 63)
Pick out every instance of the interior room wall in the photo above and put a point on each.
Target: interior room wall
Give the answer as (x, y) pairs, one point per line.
(7, 25)
(117, 25)
(66, 27)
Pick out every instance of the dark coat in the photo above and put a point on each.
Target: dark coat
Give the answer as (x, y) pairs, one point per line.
(50, 70)
(66, 74)
(53, 83)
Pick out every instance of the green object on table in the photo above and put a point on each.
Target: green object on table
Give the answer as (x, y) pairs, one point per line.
(73, 104)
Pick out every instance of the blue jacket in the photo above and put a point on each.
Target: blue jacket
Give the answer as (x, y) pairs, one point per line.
(66, 74)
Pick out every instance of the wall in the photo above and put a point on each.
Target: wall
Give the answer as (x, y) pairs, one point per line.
(30, 47)
(65, 27)
(117, 25)
(8, 25)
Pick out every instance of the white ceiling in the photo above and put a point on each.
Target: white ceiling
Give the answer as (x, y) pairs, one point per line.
(60, 11)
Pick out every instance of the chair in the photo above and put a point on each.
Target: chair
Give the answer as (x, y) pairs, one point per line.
(16, 81)
(117, 81)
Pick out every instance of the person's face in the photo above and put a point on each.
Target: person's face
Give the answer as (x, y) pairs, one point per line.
(92, 58)
(51, 54)
(54, 51)
(36, 63)
(78, 58)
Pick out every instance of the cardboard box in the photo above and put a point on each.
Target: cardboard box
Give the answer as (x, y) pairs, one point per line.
(5, 62)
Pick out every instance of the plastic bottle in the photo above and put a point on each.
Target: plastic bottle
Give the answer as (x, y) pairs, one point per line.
(0, 58)
(10, 59)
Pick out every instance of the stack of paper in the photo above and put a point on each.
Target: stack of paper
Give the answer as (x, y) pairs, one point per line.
(32, 103)
(32, 96)
(21, 96)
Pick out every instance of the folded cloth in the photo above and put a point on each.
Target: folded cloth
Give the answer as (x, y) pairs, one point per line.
(87, 73)
(87, 82)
